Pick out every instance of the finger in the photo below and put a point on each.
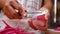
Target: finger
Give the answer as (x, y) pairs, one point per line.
(47, 16)
(31, 24)
(6, 11)
(10, 12)
(18, 6)
(15, 5)
(22, 11)
(41, 28)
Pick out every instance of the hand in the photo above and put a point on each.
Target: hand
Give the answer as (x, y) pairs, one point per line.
(10, 7)
(38, 24)
(46, 15)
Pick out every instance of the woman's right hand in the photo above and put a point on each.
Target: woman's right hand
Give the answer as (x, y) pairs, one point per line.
(10, 7)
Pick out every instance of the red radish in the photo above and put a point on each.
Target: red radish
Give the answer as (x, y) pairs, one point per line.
(41, 18)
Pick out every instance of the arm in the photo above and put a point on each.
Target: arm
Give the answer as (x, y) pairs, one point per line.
(47, 4)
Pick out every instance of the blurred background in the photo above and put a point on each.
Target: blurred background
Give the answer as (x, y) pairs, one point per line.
(56, 24)
(58, 13)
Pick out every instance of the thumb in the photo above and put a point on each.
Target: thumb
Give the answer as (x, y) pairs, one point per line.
(47, 16)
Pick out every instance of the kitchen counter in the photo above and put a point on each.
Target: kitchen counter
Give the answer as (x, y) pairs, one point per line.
(52, 31)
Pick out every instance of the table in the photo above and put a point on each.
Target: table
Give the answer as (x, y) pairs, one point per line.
(52, 31)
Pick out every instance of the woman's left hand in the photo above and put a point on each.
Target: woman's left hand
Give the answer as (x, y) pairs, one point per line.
(46, 15)
(37, 22)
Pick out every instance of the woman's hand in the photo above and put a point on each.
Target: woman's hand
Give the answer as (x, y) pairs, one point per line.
(46, 15)
(40, 24)
(10, 7)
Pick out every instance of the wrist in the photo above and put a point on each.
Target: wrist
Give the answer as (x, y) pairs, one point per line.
(44, 8)
(48, 6)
